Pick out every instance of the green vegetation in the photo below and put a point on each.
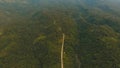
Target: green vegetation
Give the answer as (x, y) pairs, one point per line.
(32, 38)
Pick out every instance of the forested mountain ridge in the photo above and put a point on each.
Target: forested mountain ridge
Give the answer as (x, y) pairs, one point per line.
(31, 33)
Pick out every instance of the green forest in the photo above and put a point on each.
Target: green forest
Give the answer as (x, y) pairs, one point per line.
(31, 33)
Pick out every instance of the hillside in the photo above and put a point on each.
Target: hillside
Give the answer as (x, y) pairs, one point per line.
(31, 33)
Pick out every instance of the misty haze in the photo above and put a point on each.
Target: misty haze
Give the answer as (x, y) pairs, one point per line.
(59, 34)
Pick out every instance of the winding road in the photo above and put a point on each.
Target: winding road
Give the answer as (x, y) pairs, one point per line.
(62, 51)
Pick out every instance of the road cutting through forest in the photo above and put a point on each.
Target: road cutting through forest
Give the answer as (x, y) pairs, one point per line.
(62, 51)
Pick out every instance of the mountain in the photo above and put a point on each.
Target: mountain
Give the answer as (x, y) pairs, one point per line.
(32, 33)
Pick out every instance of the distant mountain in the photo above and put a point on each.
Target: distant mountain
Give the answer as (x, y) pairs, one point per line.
(28, 5)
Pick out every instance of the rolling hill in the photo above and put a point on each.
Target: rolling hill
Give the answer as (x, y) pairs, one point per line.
(31, 33)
